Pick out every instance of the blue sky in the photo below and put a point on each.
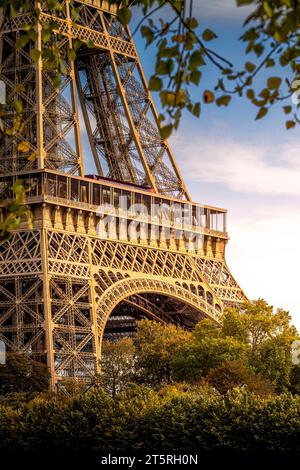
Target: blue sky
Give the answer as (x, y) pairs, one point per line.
(250, 167)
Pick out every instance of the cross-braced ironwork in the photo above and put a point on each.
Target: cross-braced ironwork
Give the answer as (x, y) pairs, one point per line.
(72, 279)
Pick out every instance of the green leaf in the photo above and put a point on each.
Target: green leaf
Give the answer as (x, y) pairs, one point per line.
(196, 109)
(270, 63)
(33, 35)
(195, 77)
(290, 124)
(196, 60)
(56, 81)
(19, 88)
(287, 109)
(258, 49)
(180, 97)
(75, 13)
(21, 42)
(265, 93)
(178, 38)
(168, 98)
(124, 15)
(167, 52)
(13, 10)
(164, 67)
(24, 147)
(250, 94)
(72, 54)
(27, 27)
(62, 67)
(77, 44)
(192, 22)
(223, 100)
(35, 54)
(268, 9)
(250, 67)
(166, 131)
(18, 106)
(46, 35)
(261, 113)
(274, 82)
(155, 83)
(208, 35)
(147, 33)
(278, 36)
(208, 97)
(90, 44)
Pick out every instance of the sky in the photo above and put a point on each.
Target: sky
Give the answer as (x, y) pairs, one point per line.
(250, 167)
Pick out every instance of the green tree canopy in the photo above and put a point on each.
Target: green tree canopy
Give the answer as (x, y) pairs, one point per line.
(22, 374)
(207, 348)
(117, 364)
(156, 344)
(269, 336)
(233, 374)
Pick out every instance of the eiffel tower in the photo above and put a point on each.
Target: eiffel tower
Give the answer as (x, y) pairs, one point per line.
(94, 262)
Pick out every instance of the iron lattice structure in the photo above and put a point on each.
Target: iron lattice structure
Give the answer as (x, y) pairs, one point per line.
(69, 281)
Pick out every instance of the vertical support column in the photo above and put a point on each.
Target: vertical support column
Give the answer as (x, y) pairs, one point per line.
(131, 123)
(39, 98)
(1, 41)
(95, 328)
(73, 94)
(48, 325)
(88, 124)
(135, 134)
(155, 114)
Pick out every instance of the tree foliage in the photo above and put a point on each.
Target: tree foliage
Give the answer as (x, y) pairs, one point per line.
(231, 374)
(227, 397)
(269, 335)
(156, 345)
(117, 364)
(251, 347)
(272, 35)
(22, 374)
(15, 211)
(140, 419)
(207, 348)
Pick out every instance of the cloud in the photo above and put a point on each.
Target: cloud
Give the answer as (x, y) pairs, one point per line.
(220, 9)
(264, 257)
(247, 167)
(262, 253)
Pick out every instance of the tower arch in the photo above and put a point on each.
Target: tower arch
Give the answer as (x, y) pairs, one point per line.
(133, 290)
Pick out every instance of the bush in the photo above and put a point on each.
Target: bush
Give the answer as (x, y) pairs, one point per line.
(22, 374)
(232, 374)
(176, 418)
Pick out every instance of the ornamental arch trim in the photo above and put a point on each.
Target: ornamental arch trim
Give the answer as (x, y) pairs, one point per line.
(125, 288)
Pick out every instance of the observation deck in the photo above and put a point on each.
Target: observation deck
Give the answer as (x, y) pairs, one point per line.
(121, 211)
